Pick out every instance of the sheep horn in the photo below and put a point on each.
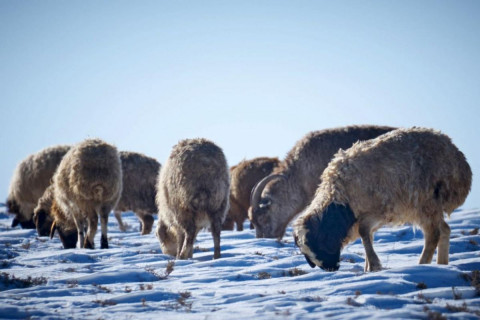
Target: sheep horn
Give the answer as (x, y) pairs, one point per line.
(52, 230)
(257, 190)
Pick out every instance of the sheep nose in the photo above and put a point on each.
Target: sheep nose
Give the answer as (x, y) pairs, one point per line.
(330, 268)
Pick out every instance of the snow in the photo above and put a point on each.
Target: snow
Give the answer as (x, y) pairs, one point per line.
(255, 278)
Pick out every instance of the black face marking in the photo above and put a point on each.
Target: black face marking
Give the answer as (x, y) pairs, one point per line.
(15, 222)
(331, 262)
(325, 233)
(29, 224)
(13, 207)
(43, 226)
(313, 265)
(68, 238)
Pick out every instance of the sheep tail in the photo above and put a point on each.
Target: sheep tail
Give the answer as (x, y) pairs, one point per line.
(200, 200)
(98, 192)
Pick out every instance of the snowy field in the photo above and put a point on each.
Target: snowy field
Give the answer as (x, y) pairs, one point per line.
(254, 279)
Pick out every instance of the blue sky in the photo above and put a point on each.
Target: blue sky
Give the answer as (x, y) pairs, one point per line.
(253, 76)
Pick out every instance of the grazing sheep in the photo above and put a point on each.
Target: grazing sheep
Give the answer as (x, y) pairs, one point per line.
(64, 224)
(192, 194)
(243, 178)
(42, 213)
(139, 181)
(279, 197)
(30, 179)
(87, 185)
(44, 217)
(139, 178)
(405, 176)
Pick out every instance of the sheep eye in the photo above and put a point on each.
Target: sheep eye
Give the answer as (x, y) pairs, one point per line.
(265, 203)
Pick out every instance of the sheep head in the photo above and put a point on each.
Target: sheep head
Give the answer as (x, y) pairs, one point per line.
(320, 237)
(270, 208)
(14, 208)
(43, 222)
(68, 237)
(66, 229)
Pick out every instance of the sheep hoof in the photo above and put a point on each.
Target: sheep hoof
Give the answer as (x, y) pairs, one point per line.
(374, 268)
(103, 243)
(88, 244)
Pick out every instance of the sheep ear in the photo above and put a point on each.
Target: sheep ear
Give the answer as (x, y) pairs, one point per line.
(52, 230)
(15, 222)
(313, 265)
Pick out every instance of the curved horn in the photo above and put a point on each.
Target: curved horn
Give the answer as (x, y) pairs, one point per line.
(52, 229)
(257, 190)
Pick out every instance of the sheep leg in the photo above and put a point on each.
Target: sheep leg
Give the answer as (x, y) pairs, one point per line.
(432, 237)
(146, 220)
(216, 229)
(104, 227)
(239, 223)
(372, 262)
(118, 215)
(228, 224)
(92, 223)
(443, 243)
(187, 248)
(80, 224)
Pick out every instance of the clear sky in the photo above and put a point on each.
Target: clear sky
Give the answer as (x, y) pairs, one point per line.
(253, 76)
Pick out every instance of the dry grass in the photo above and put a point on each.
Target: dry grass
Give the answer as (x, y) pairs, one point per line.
(421, 286)
(9, 281)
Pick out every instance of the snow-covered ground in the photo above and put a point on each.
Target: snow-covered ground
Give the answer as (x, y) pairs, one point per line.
(255, 278)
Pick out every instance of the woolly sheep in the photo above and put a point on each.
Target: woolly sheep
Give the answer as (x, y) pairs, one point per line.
(30, 179)
(138, 194)
(87, 185)
(44, 217)
(279, 197)
(139, 182)
(405, 176)
(243, 178)
(192, 194)
(42, 213)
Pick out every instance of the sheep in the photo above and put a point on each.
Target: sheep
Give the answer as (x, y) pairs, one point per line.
(139, 179)
(42, 213)
(243, 178)
(44, 217)
(405, 176)
(139, 182)
(192, 193)
(30, 179)
(86, 185)
(49, 218)
(279, 197)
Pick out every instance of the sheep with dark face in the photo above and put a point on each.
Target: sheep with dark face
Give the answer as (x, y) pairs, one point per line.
(279, 197)
(42, 213)
(192, 194)
(87, 185)
(405, 176)
(139, 182)
(243, 178)
(30, 179)
(44, 217)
